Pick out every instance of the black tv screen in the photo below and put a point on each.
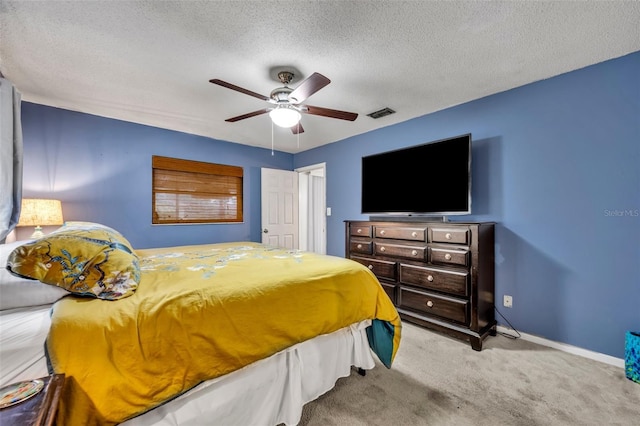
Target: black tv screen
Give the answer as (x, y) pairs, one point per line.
(428, 179)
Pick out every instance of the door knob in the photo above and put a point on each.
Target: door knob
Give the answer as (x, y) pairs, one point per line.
(266, 231)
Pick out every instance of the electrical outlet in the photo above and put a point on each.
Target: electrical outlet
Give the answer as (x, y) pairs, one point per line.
(507, 301)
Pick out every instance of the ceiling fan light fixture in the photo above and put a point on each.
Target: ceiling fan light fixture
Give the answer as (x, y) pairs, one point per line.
(284, 116)
(287, 102)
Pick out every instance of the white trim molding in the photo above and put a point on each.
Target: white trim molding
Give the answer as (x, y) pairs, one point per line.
(607, 359)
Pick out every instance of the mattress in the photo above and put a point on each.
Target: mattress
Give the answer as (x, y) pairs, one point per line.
(268, 392)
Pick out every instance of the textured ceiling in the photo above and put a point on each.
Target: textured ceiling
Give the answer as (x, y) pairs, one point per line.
(150, 62)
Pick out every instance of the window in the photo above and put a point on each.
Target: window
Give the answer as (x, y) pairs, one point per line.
(186, 191)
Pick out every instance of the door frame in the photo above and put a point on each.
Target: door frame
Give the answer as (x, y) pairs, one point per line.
(303, 213)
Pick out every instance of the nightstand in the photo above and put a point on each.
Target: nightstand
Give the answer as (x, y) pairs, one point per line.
(39, 410)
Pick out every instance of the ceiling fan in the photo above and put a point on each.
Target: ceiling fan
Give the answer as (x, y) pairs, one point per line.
(288, 102)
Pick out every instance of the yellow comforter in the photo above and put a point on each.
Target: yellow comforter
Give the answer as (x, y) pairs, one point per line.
(201, 312)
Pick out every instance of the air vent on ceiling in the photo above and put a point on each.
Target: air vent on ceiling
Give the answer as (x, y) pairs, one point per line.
(381, 113)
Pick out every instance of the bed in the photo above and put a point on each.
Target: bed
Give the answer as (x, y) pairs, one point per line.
(235, 333)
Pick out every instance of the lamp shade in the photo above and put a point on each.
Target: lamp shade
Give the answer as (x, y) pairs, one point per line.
(39, 212)
(284, 116)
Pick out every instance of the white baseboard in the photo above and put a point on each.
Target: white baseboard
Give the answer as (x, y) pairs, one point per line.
(607, 359)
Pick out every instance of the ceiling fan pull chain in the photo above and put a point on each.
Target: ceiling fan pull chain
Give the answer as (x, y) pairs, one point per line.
(272, 138)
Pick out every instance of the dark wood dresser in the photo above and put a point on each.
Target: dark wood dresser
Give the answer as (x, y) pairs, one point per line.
(439, 275)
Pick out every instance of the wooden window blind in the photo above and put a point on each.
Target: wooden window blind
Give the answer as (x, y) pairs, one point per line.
(186, 191)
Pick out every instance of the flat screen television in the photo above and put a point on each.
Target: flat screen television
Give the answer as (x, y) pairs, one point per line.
(431, 179)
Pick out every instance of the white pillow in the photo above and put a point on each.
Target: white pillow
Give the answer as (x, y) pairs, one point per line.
(17, 292)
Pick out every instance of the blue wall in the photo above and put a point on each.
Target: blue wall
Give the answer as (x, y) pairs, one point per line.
(101, 170)
(556, 164)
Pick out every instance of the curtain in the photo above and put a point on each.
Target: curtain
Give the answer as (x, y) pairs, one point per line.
(10, 158)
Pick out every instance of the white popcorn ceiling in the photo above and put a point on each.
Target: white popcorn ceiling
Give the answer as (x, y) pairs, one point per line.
(150, 62)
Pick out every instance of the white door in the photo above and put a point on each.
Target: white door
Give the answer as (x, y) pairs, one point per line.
(279, 208)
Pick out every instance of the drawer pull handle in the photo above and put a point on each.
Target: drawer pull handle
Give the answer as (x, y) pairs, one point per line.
(414, 234)
(430, 278)
(359, 246)
(383, 232)
(447, 236)
(382, 248)
(430, 303)
(371, 267)
(414, 252)
(447, 256)
(359, 231)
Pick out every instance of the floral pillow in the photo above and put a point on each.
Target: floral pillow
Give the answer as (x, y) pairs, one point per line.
(84, 258)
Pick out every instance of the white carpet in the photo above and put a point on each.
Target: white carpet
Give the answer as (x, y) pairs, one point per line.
(437, 380)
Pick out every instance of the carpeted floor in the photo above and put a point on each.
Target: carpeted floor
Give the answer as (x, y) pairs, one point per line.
(437, 380)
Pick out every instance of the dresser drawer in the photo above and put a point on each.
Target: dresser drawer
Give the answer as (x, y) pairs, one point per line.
(418, 253)
(432, 304)
(361, 247)
(453, 282)
(390, 289)
(449, 235)
(402, 233)
(449, 256)
(381, 268)
(360, 230)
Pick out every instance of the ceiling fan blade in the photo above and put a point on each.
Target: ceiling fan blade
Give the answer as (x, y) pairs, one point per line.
(332, 113)
(248, 115)
(297, 129)
(238, 89)
(308, 87)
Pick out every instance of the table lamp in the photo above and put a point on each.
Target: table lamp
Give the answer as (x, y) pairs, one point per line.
(39, 213)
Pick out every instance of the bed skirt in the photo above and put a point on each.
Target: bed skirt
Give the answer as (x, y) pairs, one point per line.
(271, 391)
